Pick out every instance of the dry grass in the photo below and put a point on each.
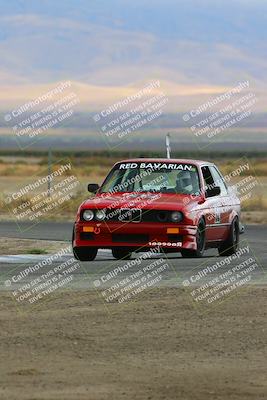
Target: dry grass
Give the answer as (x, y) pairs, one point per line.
(11, 169)
(257, 166)
(256, 204)
(97, 165)
(254, 217)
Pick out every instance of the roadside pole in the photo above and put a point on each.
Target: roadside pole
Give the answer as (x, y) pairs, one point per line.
(49, 172)
(168, 145)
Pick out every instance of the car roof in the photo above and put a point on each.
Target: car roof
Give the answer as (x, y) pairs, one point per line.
(168, 160)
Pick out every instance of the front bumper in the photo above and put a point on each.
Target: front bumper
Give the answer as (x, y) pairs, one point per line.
(135, 235)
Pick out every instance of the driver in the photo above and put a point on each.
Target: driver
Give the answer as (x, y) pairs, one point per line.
(184, 183)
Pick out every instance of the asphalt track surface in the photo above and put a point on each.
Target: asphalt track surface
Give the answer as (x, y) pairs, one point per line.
(171, 271)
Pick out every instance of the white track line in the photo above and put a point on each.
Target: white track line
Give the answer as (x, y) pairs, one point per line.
(103, 254)
(24, 258)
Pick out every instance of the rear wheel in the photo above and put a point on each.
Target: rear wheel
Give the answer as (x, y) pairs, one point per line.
(200, 240)
(230, 246)
(85, 253)
(121, 253)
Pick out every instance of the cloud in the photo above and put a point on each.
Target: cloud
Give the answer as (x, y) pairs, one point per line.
(38, 49)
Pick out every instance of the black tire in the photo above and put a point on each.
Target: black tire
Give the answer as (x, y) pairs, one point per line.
(201, 242)
(121, 253)
(85, 253)
(72, 239)
(230, 246)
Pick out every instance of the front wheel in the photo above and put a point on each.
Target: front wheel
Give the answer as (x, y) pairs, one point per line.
(230, 245)
(121, 253)
(85, 253)
(200, 241)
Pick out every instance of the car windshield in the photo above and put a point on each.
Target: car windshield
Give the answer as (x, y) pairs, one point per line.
(154, 177)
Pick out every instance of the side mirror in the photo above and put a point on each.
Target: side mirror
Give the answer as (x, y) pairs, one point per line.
(93, 187)
(214, 191)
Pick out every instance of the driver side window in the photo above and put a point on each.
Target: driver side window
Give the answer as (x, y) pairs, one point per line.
(212, 179)
(208, 178)
(218, 181)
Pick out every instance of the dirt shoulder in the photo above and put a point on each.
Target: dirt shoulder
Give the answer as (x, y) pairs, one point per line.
(160, 347)
(28, 246)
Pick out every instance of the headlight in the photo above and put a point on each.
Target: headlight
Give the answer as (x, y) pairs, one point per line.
(176, 216)
(88, 215)
(100, 215)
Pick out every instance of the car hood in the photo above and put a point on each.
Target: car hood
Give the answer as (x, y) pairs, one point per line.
(157, 201)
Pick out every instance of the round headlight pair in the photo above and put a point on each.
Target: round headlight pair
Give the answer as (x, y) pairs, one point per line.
(88, 215)
(176, 216)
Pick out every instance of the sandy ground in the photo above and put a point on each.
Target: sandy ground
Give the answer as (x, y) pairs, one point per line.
(159, 347)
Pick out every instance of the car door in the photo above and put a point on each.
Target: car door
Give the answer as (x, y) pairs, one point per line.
(217, 208)
(224, 208)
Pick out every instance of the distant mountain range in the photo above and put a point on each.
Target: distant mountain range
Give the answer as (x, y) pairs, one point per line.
(110, 49)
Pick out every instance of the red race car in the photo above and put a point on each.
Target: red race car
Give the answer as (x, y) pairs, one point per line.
(176, 205)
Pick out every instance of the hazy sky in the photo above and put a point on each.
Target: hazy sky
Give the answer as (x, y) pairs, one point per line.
(114, 43)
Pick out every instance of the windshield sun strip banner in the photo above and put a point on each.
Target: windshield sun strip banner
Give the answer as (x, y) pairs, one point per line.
(157, 166)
